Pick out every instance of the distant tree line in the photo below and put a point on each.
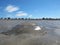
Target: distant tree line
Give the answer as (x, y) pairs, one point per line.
(29, 18)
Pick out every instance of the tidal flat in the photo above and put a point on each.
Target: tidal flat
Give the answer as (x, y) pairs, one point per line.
(29, 32)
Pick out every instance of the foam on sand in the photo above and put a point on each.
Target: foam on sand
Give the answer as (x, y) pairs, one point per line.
(37, 28)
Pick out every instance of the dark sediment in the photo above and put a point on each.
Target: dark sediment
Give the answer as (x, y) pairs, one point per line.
(23, 28)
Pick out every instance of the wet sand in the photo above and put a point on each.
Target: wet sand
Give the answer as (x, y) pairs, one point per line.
(19, 32)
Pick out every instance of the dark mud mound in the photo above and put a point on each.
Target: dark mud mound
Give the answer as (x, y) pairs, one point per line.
(29, 28)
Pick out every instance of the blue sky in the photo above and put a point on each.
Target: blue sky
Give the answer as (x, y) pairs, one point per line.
(30, 8)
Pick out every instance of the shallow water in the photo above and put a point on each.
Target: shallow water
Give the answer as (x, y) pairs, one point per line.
(52, 37)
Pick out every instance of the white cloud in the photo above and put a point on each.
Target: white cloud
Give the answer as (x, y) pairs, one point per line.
(11, 8)
(30, 16)
(21, 13)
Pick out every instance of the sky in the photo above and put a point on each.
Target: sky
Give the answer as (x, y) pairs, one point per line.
(30, 8)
